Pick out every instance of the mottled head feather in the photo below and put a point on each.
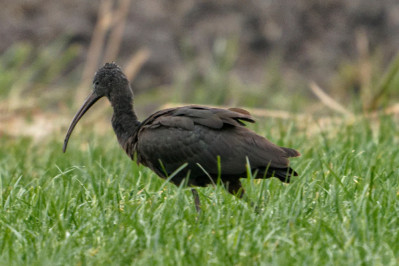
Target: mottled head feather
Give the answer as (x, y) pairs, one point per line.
(111, 65)
(108, 74)
(110, 81)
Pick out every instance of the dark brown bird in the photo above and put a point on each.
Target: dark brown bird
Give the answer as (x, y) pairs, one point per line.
(209, 143)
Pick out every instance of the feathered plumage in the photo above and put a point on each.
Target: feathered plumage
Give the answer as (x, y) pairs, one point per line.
(195, 135)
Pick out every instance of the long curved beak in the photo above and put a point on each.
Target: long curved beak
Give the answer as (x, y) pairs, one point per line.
(92, 99)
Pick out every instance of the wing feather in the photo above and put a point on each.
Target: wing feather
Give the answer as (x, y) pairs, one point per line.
(198, 135)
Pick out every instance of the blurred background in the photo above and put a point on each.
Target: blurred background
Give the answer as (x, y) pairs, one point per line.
(277, 58)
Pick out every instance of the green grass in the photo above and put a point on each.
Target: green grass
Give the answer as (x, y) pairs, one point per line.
(93, 206)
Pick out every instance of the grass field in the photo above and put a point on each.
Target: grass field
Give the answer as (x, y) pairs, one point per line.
(93, 206)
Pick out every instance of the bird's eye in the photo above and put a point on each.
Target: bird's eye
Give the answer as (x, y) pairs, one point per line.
(96, 83)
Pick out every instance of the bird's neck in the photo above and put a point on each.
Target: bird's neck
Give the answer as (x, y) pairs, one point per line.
(124, 120)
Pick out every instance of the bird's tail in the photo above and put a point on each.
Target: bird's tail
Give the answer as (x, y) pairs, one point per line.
(284, 174)
(291, 152)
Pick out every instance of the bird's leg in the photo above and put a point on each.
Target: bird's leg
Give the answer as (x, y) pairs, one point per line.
(235, 188)
(196, 200)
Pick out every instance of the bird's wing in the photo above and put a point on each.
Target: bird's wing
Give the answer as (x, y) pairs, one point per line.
(206, 116)
(198, 135)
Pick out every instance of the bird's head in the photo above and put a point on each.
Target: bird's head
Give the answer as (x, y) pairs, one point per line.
(109, 81)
